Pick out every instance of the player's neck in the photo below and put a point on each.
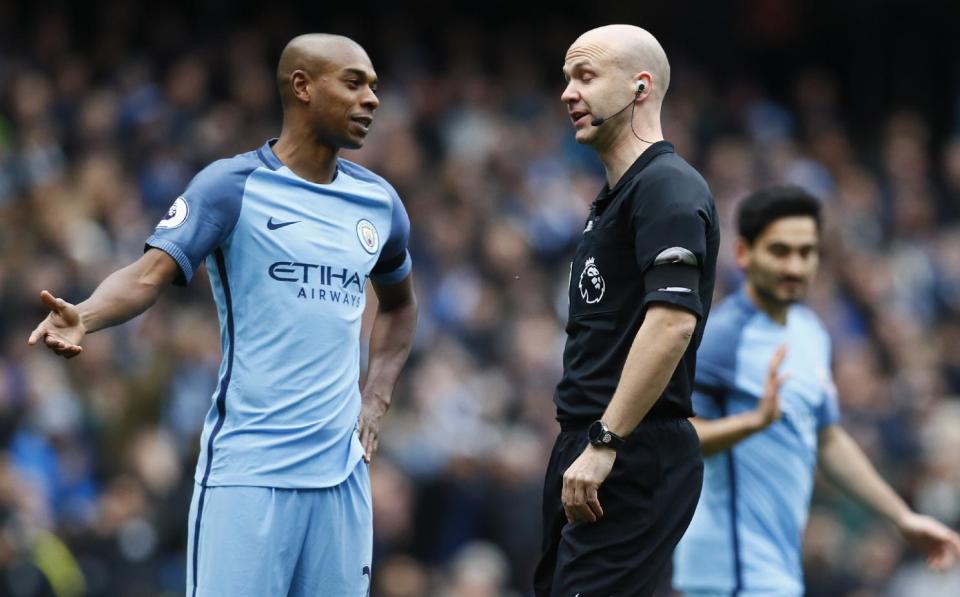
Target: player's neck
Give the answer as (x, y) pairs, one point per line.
(775, 310)
(305, 158)
(625, 150)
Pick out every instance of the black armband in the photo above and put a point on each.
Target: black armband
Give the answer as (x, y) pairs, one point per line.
(674, 270)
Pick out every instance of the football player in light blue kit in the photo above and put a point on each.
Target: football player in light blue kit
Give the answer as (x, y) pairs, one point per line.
(289, 234)
(767, 415)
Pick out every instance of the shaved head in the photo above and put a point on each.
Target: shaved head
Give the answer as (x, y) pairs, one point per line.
(628, 47)
(315, 54)
(328, 90)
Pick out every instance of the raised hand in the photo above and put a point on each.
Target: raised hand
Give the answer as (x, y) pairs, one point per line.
(768, 409)
(62, 330)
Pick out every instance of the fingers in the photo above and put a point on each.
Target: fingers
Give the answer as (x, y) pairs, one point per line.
(61, 346)
(52, 302)
(365, 439)
(37, 334)
(948, 551)
(777, 360)
(583, 510)
(54, 342)
(371, 449)
(593, 503)
(580, 501)
(940, 559)
(369, 439)
(955, 544)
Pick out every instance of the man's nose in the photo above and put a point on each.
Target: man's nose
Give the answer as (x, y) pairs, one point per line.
(796, 265)
(570, 94)
(370, 100)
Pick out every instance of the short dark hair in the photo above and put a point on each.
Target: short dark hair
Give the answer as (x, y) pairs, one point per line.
(762, 208)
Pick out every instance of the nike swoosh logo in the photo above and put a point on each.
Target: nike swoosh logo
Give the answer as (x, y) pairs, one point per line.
(271, 225)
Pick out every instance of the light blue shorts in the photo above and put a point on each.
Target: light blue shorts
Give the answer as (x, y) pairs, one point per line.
(261, 541)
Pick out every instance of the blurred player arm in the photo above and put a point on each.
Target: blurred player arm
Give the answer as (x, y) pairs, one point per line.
(845, 464)
(123, 295)
(717, 435)
(390, 340)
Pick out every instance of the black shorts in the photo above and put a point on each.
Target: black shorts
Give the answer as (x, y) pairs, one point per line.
(648, 501)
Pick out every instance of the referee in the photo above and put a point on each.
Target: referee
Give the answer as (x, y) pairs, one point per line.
(625, 473)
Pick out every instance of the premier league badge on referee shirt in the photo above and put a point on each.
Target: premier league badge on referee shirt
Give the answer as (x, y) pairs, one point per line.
(591, 282)
(176, 215)
(368, 236)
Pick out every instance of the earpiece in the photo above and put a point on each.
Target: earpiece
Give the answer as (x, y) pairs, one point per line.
(640, 87)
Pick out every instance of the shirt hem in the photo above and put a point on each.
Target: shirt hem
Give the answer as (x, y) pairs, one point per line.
(278, 482)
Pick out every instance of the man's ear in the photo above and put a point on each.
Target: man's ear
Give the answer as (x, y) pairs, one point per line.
(300, 84)
(742, 252)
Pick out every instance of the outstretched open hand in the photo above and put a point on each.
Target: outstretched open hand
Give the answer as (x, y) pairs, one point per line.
(62, 330)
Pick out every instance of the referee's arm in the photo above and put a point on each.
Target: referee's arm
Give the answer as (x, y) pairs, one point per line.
(660, 342)
(653, 357)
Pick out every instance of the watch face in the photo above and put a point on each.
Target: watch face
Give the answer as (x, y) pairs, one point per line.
(595, 432)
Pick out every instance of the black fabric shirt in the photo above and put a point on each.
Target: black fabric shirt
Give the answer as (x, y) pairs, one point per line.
(660, 203)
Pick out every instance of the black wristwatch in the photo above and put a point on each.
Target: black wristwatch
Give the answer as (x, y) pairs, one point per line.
(601, 437)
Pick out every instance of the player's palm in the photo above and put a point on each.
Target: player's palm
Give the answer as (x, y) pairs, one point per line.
(62, 330)
(769, 406)
(939, 543)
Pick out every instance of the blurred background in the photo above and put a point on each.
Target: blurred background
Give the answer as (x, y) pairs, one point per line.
(107, 109)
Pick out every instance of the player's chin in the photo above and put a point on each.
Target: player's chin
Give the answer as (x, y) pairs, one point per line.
(355, 138)
(792, 294)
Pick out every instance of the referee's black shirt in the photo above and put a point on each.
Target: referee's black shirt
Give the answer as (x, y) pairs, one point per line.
(659, 204)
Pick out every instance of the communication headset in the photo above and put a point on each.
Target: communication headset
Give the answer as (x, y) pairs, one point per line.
(640, 87)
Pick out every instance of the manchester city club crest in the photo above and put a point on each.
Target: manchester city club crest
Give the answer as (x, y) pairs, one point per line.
(369, 238)
(176, 215)
(591, 283)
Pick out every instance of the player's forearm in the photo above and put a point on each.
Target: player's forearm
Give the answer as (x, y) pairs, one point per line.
(717, 435)
(390, 341)
(844, 463)
(656, 350)
(123, 295)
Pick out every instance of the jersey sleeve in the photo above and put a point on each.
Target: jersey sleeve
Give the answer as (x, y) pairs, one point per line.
(670, 222)
(394, 263)
(201, 218)
(829, 411)
(706, 404)
(715, 377)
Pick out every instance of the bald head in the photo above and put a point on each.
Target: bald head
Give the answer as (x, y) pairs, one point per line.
(315, 54)
(628, 47)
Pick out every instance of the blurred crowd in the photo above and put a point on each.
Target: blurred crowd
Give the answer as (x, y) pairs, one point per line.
(97, 453)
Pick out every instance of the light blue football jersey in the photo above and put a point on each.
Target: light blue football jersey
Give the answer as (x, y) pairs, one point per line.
(288, 261)
(745, 537)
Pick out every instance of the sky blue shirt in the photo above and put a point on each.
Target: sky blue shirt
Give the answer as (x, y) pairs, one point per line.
(745, 537)
(288, 261)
